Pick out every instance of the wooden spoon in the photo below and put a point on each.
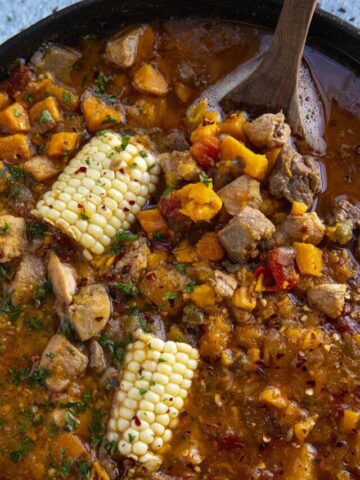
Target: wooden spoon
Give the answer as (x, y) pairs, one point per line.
(276, 81)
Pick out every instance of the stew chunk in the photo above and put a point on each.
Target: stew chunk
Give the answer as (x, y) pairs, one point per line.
(90, 311)
(268, 130)
(328, 298)
(241, 192)
(63, 279)
(122, 49)
(12, 237)
(64, 361)
(295, 177)
(29, 276)
(242, 234)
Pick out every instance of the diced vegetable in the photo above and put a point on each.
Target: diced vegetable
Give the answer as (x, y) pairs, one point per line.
(100, 191)
(199, 201)
(14, 119)
(298, 208)
(149, 79)
(206, 150)
(62, 143)
(255, 165)
(244, 299)
(215, 339)
(98, 115)
(15, 148)
(155, 382)
(207, 128)
(4, 100)
(349, 420)
(210, 248)
(274, 397)
(45, 115)
(203, 296)
(234, 126)
(152, 222)
(309, 259)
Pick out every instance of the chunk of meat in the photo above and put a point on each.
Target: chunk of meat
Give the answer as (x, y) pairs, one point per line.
(175, 140)
(63, 279)
(42, 168)
(268, 130)
(295, 177)
(97, 356)
(122, 49)
(178, 166)
(344, 210)
(12, 237)
(131, 266)
(56, 59)
(241, 192)
(329, 298)
(90, 311)
(241, 235)
(64, 361)
(306, 227)
(225, 284)
(29, 276)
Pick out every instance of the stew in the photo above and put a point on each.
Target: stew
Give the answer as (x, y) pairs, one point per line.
(179, 294)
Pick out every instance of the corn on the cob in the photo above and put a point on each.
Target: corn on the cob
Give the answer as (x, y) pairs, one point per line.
(155, 382)
(101, 190)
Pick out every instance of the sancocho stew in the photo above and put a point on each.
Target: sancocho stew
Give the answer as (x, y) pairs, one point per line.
(179, 294)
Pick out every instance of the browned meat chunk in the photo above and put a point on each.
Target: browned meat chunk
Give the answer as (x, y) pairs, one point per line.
(57, 60)
(242, 234)
(63, 279)
(90, 311)
(97, 356)
(178, 166)
(122, 49)
(295, 177)
(306, 227)
(268, 130)
(12, 237)
(342, 211)
(175, 140)
(42, 168)
(134, 262)
(328, 298)
(29, 276)
(242, 192)
(225, 284)
(64, 361)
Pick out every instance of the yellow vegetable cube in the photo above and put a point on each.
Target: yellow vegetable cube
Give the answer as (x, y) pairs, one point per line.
(303, 428)
(210, 248)
(4, 100)
(199, 201)
(14, 119)
(349, 420)
(182, 91)
(149, 79)
(233, 125)
(63, 143)
(274, 397)
(152, 222)
(15, 148)
(207, 127)
(298, 208)
(243, 299)
(308, 259)
(255, 165)
(203, 296)
(154, 259)
(98, 115)
(185, 253)
(45, 114)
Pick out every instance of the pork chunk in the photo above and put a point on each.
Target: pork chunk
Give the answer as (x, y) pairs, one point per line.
(57, 60)
(63, 279)
(29, 276)
(134, 262)
(225, 284)
(306, 227)
(97, 356)
(42, 168)
(241, 192)
(343, 211)
(329, 298)
(242, 234)
(268, 130)
(295, 177)
(90, 311)
(122, 49)
(12, 237)
(178, 166)
(64, 361)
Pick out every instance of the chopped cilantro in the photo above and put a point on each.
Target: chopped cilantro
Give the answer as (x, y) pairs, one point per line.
(84, 216)
(66, 97)
(36, 230)
(144, 324)
(65, 465)
(109, 119)
(161, 360)
(45, 117)
(97, 426)
(128, 289)
(120, 239)
(115, 349)
(43, 291)
(179, 266)
(83, 468)
(134, 165)
(7, 308)
(170, 296)
(190, 287)
(101, 82)
(71, 422)
(142, 391)
(4, 228)
(34, 324)
(18, 455)
(131, 437)
(78, 407)
(167, 192)
(143, 154)
(111, 447)
(204, 179)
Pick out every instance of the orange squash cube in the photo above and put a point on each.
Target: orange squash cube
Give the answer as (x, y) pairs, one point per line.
(15, 148)
(152, 221)
(4, 100)
(14, 119)
(98, 115)
(63, 143)
(45, 114)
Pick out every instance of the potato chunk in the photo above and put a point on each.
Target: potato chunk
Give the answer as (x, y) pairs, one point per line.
(90, 311)
(12, 237)
(64, 361)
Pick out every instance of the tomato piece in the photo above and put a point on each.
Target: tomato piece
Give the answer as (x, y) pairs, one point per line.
(206, 151)
(281, 262)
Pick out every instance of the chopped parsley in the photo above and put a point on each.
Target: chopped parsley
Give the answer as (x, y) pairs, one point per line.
(45, 117)
(179, 266)
(83, 468)
(97, 426)
(144, 324)
(43, 291)
(84, 216)
(18, 455)
(101, 82)
(109, 119)
(120, 239)
(65, 465)
(131, 437)
(190, 287)
(11, 311)
(128, 288)
(4, 228)
(111, 447)
(78, 407)
(115, 349)
(143, 154)
(204, 179)
(34, 324)
(167, 192)
(170, 296)
(36, 230)
(34, 377)
(71, 422)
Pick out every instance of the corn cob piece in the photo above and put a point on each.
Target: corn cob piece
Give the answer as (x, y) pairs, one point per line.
(156, 380)
(100, 191)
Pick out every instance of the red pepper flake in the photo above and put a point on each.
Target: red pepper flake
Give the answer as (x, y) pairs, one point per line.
(126, 209)
(80, 205)
(132, 202)
(103, 207)
(151, 276)
(121, 170)
(81, 170)
(137, 421)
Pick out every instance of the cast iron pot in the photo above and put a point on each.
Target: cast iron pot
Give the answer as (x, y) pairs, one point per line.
(329, 34)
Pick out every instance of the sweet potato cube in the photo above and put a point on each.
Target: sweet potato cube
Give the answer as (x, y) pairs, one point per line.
(15, 148)
(70, 445)
(14, 119)
(42, 168)
(152, 221)
(210, 248)
(234, 125)
(349, 420)
(4, 100)
(149, 79)
(63, 143)
(255, 165)
(67, 99)
(308, 259)
(45, 114)
(99, 115)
